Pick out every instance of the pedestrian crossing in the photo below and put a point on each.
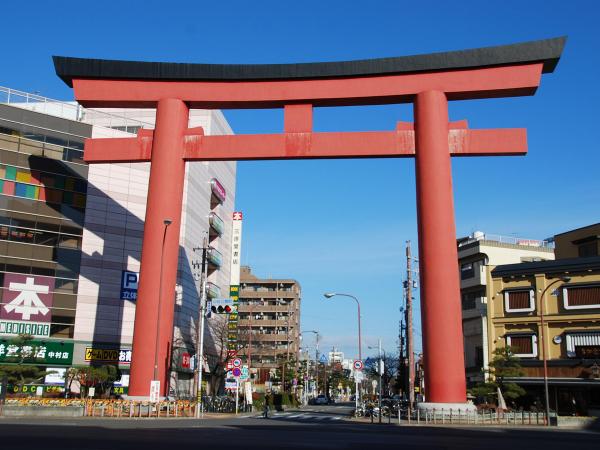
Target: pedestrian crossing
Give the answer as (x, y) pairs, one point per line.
(298, 416)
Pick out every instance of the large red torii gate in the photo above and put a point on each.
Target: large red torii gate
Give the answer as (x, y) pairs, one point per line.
(427, 81)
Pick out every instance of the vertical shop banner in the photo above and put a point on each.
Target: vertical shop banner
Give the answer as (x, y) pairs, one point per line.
(234, 288)
(26, 304)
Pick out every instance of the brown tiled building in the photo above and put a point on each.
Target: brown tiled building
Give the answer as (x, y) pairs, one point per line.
(567, 292)
(269, 321)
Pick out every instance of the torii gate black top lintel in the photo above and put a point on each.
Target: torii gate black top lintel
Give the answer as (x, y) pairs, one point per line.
(547, 51)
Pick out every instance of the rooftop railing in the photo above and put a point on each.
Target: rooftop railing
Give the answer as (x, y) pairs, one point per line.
(479, 236)
(69, 110)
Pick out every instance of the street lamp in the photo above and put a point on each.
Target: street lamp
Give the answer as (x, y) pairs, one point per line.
(564, 279)
(380, 370)
(333, 294)
(307, 363)
(166, 223)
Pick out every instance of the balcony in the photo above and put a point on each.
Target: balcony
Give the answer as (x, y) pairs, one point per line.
(244, 307)
(265, 323)
(478, 278)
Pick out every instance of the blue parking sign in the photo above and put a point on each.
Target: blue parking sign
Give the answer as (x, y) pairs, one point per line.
(129, 285)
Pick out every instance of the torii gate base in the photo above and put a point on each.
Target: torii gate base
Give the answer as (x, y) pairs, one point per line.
(428, 81)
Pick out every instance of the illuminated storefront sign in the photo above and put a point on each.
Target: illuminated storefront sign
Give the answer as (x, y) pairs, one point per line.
(218, 190)
(15, 327)
(114, 355)
(37, 352)
(216, 223)
(234, 288)
(27, 298)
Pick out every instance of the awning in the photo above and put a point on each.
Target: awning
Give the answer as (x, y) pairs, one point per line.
(581, 339)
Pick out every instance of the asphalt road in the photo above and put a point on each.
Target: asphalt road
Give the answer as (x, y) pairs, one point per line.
(314, 427)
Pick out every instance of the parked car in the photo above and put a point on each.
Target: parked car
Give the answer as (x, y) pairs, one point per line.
(321, 399)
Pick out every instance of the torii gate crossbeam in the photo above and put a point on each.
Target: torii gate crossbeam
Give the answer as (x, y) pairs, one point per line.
(427, 81)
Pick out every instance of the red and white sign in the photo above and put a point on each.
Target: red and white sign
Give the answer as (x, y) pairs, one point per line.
(27, 297)
(237, 362)
(186, 360)
(358, 364)
(237, 215)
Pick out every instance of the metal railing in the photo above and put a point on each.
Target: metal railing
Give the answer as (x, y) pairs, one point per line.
(449, 416)
(70, 110)
(479, 237)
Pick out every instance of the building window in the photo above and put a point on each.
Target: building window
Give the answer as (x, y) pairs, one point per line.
(581, 297)
(479, 356)
(583, 345)
(467, 271)
(588, 249)
(469, 300)
(523, 345)
(519, 300)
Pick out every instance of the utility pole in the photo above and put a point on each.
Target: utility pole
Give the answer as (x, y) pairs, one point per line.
(200, 329)
(380, 363)
(402, 355)
(409, 327)
(317, 366)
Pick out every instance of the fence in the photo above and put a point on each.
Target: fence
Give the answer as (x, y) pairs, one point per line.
(462, 417)
(449, 416)
(130, 408)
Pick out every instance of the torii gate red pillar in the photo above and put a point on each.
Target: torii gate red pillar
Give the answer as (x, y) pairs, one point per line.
(438, 258)
(427, 81)
(153, 329)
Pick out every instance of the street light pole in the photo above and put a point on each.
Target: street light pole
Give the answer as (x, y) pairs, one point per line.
(166, 223)
(308, 360)
(333, 294)
(564, 279)
(380, 368)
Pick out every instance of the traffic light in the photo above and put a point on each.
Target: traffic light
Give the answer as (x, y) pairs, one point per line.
(222, 306)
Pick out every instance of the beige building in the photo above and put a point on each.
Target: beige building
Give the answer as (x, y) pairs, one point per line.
(476, 254)
(566, 292)
(268, 323)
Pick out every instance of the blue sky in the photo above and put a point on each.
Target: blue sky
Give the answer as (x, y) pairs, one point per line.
(340, 225)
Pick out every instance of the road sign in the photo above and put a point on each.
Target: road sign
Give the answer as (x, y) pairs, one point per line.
(358, 376)
(323, 359)
(237, 372)
(358, 364)
(245, 373)
(154, 391)
(237, 362)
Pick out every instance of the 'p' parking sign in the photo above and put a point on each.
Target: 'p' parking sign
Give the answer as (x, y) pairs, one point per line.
(129, 285)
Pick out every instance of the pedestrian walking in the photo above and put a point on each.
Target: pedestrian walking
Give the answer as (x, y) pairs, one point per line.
(266, 407)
